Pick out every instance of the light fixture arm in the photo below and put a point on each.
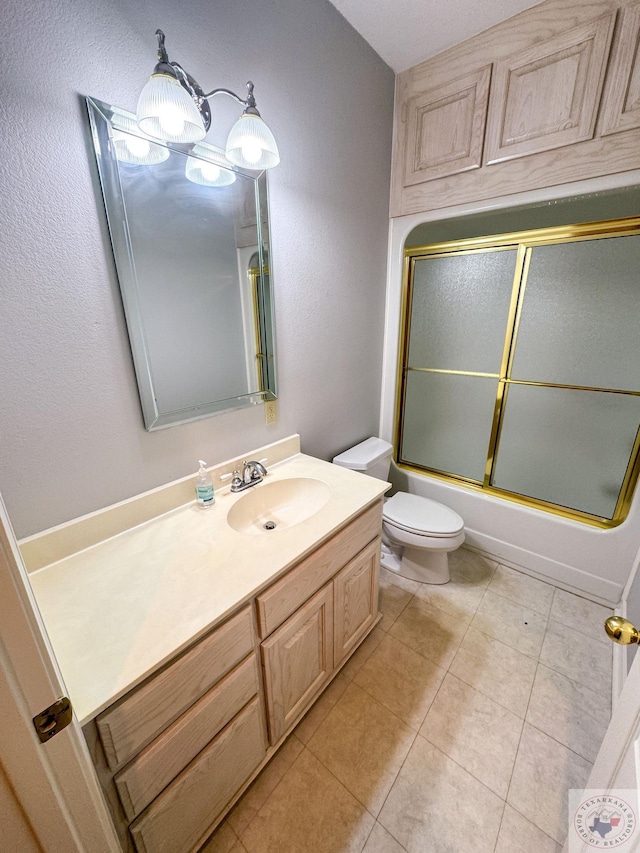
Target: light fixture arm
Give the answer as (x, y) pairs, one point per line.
(249, 103)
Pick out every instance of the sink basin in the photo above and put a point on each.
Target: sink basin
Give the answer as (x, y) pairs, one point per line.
(278, 505)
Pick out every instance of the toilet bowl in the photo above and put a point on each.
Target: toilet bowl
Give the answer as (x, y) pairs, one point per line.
(417, 533)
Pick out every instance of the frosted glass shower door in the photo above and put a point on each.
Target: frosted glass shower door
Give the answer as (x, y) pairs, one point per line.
(572, 410)
(567, 447)
(459, 308)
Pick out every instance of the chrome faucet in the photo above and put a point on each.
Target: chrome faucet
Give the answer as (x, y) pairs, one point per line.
(252, 474)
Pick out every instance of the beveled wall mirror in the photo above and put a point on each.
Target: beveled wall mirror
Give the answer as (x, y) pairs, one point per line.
(190, 238)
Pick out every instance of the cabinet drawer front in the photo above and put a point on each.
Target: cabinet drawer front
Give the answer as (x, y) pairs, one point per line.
(181, 816)
(285, 596)
(355, 600)
(128, 726)
(151, 771)
(297, 660)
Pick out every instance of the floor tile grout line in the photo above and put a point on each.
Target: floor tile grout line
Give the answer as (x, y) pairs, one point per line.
(271, 793)
(355, 796)
(604, 642)
(524, 721)
(517, 601)
(560, 743)
(546, 834)
(504, 809)
(404, 760)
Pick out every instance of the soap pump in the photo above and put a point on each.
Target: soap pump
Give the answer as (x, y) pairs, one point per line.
(204, 487)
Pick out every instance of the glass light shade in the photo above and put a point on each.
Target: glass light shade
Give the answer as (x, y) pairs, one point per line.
(251, 144)
(167, 111)
(215, 172)
(131, 147)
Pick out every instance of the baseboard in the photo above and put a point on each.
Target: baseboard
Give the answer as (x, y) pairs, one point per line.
(551, 571)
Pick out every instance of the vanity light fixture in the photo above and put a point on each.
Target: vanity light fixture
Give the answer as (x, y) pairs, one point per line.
(174, 108)
(214, 170)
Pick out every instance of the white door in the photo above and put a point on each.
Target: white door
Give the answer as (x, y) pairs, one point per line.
(617, 766)
(54, 782)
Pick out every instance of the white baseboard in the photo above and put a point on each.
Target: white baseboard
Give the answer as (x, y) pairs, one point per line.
(551, 571)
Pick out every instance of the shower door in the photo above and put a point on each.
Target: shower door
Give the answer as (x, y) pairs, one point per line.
(521, 367)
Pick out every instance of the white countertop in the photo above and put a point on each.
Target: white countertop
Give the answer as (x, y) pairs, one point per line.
(118, 610)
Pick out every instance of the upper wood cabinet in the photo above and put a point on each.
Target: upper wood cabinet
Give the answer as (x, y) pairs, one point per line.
(445, 128)
(548, 96)
(622, 107)
(563, 76)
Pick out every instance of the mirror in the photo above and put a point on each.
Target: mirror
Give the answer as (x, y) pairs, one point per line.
(190, 238)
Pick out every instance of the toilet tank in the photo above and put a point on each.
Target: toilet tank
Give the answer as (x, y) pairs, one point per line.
(372, 457)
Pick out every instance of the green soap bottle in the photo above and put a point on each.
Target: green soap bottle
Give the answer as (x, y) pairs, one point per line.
(204, 487)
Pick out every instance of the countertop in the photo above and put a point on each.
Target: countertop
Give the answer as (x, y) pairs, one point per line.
(118, 610)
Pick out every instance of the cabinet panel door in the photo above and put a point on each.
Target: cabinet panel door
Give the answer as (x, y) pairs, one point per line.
(622, 104)
(445, 128)
(355, 595)
(297, 660)
(548, 96)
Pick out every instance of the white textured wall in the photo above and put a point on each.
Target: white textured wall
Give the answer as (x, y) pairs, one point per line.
(71, 432)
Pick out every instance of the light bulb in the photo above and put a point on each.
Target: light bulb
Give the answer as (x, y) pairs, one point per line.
(138, 147)
(210, 171)
(171, 121)
(251, 151)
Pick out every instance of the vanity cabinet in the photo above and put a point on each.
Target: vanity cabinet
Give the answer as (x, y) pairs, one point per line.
(300, 656)
(176, 752)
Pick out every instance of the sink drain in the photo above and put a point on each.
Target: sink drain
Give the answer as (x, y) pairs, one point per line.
(269, 525)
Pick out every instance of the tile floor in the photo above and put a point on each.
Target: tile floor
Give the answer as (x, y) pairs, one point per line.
(457, 727)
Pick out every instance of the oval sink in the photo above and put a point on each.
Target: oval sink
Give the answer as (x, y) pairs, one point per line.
(278, 505)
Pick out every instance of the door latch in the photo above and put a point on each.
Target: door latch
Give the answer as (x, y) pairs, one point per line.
(53, 719)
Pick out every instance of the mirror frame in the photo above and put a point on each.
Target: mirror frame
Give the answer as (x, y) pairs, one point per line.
(258, 280)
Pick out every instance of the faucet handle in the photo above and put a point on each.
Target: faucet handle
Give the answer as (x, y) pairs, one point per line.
(235, 482)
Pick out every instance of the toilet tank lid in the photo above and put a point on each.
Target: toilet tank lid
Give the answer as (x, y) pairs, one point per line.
(364, 455)
(413, 512)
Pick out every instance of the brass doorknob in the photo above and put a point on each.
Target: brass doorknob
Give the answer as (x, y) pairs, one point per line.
(621, 631)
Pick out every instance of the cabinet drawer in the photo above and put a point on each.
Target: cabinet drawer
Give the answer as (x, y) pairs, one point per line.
(154, 768)
(286, 596)
(128, 726)
(180, 817)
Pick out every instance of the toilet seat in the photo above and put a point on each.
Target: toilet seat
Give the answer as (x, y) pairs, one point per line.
(422, 516)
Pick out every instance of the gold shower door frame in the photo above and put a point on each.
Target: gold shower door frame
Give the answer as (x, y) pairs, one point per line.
(523, 242)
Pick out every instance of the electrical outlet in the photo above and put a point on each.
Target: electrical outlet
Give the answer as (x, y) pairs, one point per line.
(271, 411)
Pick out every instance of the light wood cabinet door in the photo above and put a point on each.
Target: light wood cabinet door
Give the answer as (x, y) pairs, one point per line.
(622, 99)
(445, 128)
(355, 600)
(547, 97)
(297, 661)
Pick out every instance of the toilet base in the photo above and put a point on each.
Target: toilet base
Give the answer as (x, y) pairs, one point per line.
(429, 567)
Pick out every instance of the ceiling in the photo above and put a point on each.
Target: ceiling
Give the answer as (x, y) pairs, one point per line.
(406, 32)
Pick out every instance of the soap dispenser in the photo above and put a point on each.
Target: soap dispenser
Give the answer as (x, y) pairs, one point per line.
(204, 487)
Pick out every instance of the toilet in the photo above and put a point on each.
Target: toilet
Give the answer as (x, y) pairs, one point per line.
(417, 533)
